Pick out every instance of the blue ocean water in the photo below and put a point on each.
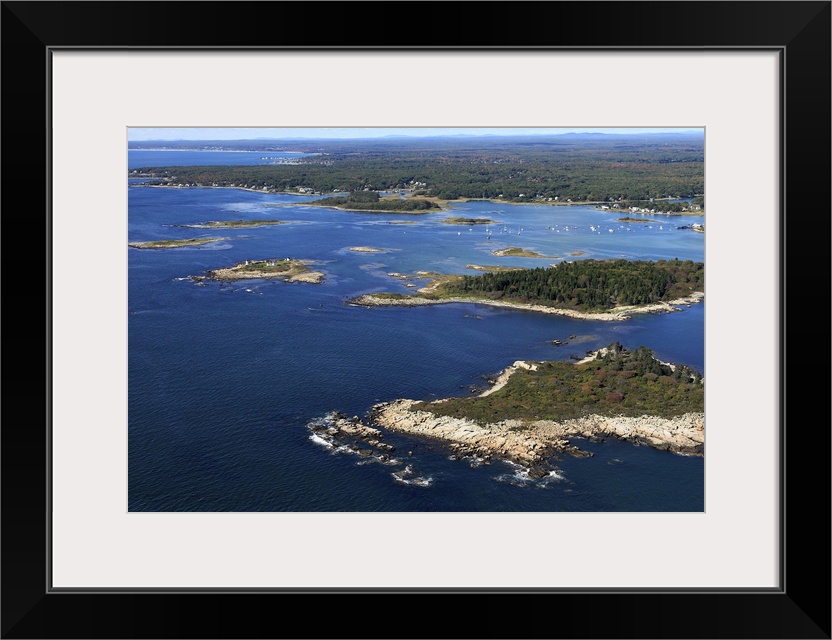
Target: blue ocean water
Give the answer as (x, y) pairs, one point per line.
(225, 379)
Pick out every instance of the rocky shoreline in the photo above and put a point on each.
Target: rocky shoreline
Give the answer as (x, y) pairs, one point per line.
(614, 315)
(536, 444)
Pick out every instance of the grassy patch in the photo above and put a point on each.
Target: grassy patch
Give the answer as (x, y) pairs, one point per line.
(392, 296)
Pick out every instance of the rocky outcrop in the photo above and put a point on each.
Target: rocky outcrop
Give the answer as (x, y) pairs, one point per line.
(312, 277)
(680, 434)
(338, 430)
(467, 438)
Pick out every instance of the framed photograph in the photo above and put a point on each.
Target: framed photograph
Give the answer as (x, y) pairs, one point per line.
(184, 465)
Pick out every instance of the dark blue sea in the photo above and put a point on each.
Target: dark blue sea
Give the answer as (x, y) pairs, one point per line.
(225, 379)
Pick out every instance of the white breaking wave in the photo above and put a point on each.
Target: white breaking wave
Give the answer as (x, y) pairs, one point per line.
(403, 476)
(321, 441)
(521, 477)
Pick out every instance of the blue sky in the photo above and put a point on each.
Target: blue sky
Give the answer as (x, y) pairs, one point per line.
(194, 133)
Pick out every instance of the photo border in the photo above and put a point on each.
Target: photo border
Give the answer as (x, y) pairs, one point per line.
(800, 608)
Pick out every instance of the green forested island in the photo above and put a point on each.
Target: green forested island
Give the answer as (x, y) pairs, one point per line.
(587, 284)
(617, 381)
(469, 221)
(555, 169)
(584, 285)
(371, 201)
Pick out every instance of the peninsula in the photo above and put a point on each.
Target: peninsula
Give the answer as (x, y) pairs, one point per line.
(288, 270)
(613, 171)
(535, 409)
(173, 244)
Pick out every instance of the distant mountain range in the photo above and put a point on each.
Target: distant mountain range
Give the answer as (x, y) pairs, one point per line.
(298, 144)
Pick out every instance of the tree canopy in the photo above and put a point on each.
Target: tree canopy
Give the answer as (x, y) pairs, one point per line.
(586, 284)
(559, 168)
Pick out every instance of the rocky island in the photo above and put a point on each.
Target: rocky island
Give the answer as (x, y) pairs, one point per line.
(629, 219)
(535, 410)
(367, 250)
(519, 252)
(491, 267)
(288, 270)
(233, 224)
(173, 244)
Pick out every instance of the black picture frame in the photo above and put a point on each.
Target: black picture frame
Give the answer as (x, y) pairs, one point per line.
(799, 608)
